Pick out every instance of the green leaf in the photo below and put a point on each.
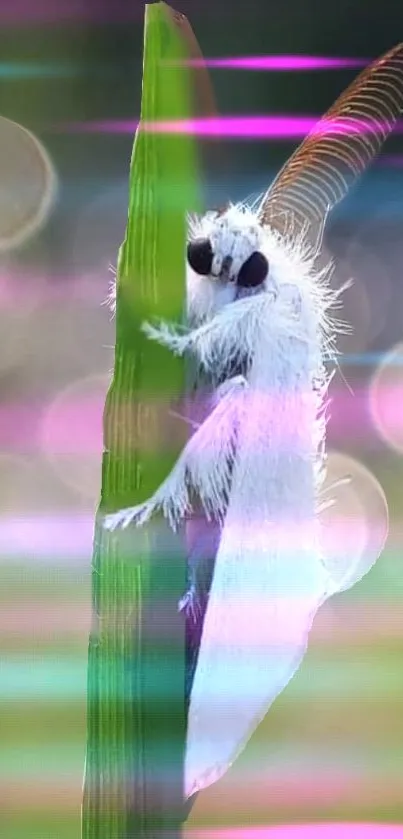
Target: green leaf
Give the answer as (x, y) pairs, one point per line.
(136, 712)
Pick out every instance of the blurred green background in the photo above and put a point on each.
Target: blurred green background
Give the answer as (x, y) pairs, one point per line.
(331, 747)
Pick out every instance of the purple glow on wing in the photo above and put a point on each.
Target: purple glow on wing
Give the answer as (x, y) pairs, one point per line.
(279, 62)
(254, 127)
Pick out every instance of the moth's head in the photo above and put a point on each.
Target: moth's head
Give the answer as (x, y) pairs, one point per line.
(224, 248)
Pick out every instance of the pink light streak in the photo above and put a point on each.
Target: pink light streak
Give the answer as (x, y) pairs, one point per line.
(334, 626)
(21, 422)
(305, 831)
(288, 63)
(235, 127)
(18, 290)
(47, 538)
(69, 535)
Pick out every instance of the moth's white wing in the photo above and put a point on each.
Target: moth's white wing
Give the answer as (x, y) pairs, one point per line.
(270, 581)
(269, 578)
(262, 604)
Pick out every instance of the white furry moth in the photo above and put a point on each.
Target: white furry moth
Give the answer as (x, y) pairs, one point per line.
(259, 325)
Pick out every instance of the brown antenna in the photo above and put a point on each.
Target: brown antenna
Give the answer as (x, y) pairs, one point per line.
(340, 147)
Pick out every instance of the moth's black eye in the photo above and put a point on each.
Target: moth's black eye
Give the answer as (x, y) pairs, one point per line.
(253, 271)
(200, 256)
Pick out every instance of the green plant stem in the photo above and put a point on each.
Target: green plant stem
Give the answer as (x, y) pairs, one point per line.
(133, 785)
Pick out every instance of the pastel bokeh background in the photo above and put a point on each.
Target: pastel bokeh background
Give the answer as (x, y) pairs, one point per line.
(330, 750)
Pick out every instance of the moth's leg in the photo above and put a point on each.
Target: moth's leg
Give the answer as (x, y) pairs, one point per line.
(205, 542)
(172, 497)
(190, 603)
(203, 466)
(231, 333)
(210, 452)
(204, 539)
(168, 336)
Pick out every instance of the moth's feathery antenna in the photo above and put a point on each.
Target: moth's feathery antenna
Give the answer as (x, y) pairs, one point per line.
(339, 148)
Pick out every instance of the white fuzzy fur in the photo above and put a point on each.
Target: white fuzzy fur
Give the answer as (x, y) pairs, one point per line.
(270, 577)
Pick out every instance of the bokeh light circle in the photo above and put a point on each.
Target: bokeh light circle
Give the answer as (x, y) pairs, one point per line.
(355, 527)
(69, 340)
(30, 487)
(366, 305)
(99, 231)
(72, 435)
(28, 184)
(369, 268)
(15, 484)
(20, 298)
(386, 398)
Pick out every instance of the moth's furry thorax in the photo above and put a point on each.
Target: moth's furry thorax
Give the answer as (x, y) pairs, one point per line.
(293, 282)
